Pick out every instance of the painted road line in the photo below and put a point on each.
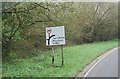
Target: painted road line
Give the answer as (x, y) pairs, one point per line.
(108, 53)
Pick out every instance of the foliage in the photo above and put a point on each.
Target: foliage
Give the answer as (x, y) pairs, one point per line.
(23, 24)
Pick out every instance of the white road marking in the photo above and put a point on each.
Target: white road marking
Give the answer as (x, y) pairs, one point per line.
(108, 53)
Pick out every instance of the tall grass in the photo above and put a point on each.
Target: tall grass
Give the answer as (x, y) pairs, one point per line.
(75, 59)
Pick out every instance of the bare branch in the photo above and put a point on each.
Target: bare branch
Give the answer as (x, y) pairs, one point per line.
(96, 11)
(106, 12)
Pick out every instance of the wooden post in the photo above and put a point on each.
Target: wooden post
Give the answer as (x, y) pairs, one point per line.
(62, 55)
(52, 56)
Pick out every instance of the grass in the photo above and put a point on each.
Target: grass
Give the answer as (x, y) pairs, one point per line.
(76, 58)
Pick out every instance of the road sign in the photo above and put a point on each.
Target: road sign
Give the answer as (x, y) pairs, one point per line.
(55, 36)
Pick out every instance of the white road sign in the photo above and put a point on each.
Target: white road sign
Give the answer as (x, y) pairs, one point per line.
(55, 36)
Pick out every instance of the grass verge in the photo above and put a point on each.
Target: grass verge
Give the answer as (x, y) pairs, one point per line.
(75, 57)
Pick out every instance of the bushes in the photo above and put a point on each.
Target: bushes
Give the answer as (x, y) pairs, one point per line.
(24, 25)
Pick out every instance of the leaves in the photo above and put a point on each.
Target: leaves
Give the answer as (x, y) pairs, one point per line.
(84, 22)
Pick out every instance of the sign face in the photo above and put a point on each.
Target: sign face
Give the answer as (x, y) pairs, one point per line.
(55, 36)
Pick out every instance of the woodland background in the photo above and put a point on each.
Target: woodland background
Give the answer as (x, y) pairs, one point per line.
(24, 23)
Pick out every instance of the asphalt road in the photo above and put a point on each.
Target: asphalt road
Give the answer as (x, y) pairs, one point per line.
(106, 67)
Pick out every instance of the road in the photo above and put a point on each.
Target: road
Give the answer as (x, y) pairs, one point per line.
(107, 66)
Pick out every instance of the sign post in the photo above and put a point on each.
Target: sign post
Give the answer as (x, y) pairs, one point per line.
(55, 36)
(62, 55)
(52, 56)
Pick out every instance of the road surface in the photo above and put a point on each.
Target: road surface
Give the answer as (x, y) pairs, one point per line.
(107, 66)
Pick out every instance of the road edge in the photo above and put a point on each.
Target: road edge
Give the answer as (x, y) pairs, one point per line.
(90, 66)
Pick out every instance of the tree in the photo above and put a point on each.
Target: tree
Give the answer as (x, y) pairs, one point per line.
(24, 23)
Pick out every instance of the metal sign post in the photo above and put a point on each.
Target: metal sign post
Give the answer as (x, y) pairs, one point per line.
(52, 56)
(62, 55)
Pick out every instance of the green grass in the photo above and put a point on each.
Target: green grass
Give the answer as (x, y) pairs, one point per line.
(76, 58)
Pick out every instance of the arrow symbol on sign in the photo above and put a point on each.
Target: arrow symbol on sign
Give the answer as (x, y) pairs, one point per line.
(49, 39)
